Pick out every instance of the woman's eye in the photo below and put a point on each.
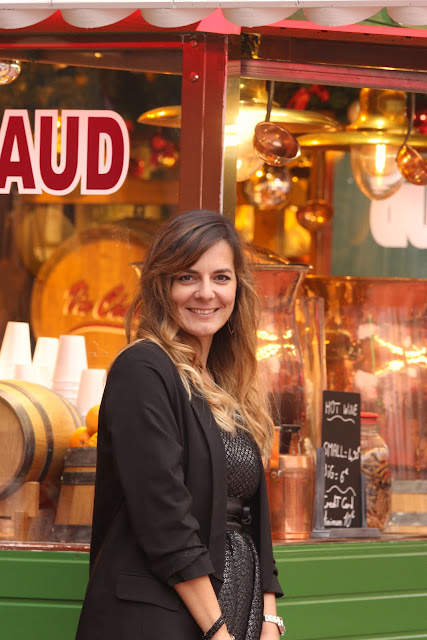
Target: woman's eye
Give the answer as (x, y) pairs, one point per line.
(223, 278)
(185, 278)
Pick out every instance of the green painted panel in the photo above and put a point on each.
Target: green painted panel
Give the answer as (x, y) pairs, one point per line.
(43, 574)
(326, 618)
(328, 569)
(29, 620)
(371, 590)
(368, 590)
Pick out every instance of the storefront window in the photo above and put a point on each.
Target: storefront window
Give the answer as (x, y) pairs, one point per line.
(84, 188)
(70, 248)
(282, 206)
(343, 206)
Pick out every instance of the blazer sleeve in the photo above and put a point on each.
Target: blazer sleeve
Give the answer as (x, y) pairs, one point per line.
(141, 409)
(268, 565)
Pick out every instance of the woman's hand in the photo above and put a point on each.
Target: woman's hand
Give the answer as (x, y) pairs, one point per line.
(199, 597)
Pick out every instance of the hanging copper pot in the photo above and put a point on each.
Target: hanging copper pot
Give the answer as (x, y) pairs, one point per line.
(410, 162)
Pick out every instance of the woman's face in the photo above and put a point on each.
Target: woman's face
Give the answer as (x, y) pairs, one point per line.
(205, 293)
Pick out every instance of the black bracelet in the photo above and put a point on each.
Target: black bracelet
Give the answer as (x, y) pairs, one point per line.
(214, 628)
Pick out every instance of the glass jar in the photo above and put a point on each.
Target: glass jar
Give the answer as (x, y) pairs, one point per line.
(279, 357)
(290, 486)
(375, 465)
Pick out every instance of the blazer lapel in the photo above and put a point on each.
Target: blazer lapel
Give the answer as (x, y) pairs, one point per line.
(219, 483)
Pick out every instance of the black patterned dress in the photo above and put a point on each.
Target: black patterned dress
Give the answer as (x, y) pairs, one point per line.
(241, 598)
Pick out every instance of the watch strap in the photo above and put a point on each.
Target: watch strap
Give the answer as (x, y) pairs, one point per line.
(277, 620)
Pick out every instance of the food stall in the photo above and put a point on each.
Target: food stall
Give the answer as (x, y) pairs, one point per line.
(118, 115)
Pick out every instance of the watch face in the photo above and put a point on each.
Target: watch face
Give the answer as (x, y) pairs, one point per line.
(280, 625)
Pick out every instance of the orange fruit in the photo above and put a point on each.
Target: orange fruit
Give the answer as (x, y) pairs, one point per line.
(93, 440)
(92, 419)
(79, 438)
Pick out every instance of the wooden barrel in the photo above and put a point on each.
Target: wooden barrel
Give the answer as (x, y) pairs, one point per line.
(87, 285)
(35, 427)
(75, 504)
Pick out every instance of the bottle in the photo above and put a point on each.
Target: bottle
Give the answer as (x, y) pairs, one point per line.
(290, 486)
(375, 465)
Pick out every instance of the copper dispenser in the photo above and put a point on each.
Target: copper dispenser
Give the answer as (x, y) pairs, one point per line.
(290, 486)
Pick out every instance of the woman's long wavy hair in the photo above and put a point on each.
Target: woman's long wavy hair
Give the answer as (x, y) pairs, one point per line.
(232, 357)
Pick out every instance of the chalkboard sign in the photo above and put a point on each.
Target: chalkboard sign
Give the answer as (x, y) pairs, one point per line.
(341, 449)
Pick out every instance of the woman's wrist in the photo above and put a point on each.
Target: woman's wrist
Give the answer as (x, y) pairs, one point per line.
(212, 631)
(270, 621)
(218, 631)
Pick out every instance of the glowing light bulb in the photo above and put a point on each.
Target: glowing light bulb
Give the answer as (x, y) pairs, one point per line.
(248, 161)
(375, 170)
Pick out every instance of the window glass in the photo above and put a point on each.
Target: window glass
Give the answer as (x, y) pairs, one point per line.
(84, 188)
(343, 206)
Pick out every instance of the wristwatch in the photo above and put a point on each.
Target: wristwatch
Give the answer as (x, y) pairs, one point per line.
(276, 620)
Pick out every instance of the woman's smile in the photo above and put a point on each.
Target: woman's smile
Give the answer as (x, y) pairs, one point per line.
(203, 312)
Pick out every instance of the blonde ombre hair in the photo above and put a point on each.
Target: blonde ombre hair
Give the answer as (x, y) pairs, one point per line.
(152, 316)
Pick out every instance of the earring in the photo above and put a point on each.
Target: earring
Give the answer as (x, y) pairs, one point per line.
(229, 326)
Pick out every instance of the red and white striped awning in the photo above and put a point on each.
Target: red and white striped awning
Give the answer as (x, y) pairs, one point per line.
(168, 14)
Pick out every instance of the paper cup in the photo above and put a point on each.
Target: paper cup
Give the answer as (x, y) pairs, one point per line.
(70, 361)
(45, 375)
(27, 372)
(15, 348)
(91, 388)
(45, 357)
(69, 391)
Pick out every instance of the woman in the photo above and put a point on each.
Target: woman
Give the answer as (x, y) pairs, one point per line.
(181, 543)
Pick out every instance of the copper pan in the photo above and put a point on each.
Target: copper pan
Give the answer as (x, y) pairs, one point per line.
(410, 162)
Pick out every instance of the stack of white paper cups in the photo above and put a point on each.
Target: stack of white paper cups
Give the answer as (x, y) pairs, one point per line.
(44, 359)
(28, 372)
(71, 360)
(15, 348)
(91, 388)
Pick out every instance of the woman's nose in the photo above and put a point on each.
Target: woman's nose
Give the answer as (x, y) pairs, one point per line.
(205, 290)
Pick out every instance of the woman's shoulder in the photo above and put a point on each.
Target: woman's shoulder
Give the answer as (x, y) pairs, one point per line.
(143, 353)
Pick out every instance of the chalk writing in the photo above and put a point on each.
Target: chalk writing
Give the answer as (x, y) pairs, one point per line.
(341, 446)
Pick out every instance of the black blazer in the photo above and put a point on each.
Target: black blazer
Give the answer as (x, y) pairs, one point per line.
(160, 504)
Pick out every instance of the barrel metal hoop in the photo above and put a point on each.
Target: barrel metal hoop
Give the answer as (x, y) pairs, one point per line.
(78, 477)
(47, 427)
(80, 457)
(29, 440)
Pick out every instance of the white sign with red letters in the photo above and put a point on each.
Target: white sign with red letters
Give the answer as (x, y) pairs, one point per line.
(94, 151)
